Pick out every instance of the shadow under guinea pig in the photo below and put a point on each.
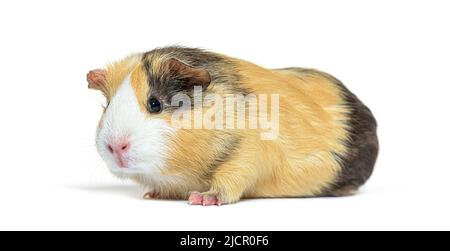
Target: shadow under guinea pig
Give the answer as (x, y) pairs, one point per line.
(130, 191)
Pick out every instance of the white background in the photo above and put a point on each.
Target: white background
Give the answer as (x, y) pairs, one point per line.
(395, 55)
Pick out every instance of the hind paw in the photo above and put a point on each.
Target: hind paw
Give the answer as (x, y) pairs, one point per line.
(152, 195)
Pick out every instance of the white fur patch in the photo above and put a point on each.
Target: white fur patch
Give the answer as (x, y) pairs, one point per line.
(148, 137)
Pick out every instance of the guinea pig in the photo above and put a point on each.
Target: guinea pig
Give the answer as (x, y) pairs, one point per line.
(323, 139)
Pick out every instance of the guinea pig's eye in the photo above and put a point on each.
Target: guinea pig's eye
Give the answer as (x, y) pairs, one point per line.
(154, 105)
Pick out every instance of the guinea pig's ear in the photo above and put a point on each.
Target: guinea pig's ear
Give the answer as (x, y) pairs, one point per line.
(97, 80)
(188, 75)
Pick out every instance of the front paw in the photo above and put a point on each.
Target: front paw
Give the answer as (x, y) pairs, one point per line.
(205, 199)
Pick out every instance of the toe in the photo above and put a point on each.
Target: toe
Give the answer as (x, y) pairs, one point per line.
(210, 200)
(151, 195)
(195, 198)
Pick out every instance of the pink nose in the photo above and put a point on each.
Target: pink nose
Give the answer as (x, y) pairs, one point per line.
(119, 150)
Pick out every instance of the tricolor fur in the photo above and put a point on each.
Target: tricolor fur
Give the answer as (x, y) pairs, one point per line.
(327, 142)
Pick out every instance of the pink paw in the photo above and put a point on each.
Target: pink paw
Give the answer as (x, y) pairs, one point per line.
(151, 195)
(204, 199)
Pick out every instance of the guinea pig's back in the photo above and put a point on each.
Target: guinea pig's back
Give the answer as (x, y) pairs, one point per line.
(358, 160)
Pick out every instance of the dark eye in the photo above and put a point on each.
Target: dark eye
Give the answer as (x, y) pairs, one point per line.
(154, 106)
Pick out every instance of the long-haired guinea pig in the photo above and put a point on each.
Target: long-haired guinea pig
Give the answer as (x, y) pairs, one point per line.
(300, 132)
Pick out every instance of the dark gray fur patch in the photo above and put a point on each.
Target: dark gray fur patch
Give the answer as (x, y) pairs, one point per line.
(363, 147)
(358, 164)
(222, 71)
